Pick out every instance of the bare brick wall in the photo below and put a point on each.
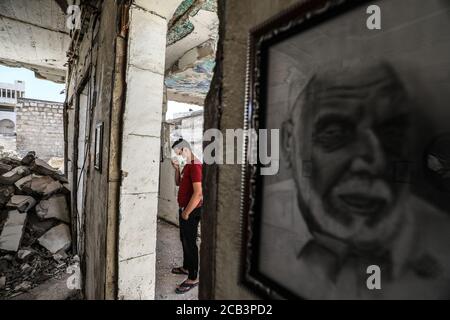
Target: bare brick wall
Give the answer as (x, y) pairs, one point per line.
(39, 127)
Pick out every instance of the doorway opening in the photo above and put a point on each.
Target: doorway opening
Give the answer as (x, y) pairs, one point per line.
(190, 59)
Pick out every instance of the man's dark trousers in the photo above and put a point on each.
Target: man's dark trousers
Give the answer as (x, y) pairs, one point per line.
(188, 236)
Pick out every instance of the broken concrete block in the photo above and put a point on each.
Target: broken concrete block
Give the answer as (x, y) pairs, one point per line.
(4, 168)
(6, 192)
(29, 158)
(24, 182)
(57, 163)
(39, 184)
(61, 255)
(56, 239)
(44, 185)
(21, 203)
(54, 207)
(10, 161)
(14, 175)
(52, 187)
(35, 184)
(41, 227)
(8, 258)
(24, 286)
(41, 167)
(11, 235)
(22, 254)
(25, 266)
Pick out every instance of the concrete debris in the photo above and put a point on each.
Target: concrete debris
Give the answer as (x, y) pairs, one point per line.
(57, 163)
(29, 158)
(7, 257)
(21, 203)
(22, 183)
(38, 227)
(52, 188)
(6, 192)
(12, 232)
(40, 185)
(22, 254)
(41, 167)
(14, 175)
(24, 286)
(55, 207)
(42, 269)
(56, 239)
(25, 266)
(10, 161)
(60, 256)
(4, 168)
(33, 244)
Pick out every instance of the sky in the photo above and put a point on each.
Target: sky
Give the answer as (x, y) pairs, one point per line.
(34, 88)
(50, 91)
(177, 107)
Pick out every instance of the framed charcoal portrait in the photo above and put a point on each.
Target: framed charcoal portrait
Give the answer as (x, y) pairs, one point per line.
(363, 183)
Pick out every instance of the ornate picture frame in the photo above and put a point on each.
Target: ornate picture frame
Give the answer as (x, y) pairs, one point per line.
(294, 22)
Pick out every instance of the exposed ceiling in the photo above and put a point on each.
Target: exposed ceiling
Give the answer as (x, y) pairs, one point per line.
(33, 34)
(190, 57)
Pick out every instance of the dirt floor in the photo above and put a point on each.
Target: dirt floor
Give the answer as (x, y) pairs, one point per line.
(169, 254)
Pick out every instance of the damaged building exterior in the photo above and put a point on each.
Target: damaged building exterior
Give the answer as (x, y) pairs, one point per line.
(122, 61)
(116, 92)
(114, 59)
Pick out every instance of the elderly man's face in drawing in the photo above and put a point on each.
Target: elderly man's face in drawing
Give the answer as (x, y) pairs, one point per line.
(351, 128)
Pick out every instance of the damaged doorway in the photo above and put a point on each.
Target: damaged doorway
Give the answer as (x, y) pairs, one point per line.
(80, 172)
(182, 121)
(190, 59)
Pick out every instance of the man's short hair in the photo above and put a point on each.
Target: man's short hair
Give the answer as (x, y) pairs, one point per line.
(181, 143)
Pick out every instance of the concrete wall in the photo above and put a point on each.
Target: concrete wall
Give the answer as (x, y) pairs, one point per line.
(34, 35)
(94, 62)
(39, 127)
(8, 142)
(167, 196)
(239, 17)
(141, 152)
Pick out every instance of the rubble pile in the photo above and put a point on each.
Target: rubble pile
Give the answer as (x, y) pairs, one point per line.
(34, 224)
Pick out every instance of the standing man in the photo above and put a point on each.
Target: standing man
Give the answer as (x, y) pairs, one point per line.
(190, 199)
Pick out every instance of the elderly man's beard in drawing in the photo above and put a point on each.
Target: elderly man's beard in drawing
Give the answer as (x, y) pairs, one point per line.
(362, 212)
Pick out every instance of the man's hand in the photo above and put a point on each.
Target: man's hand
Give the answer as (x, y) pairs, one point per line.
(185, 215)
(176, 164)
